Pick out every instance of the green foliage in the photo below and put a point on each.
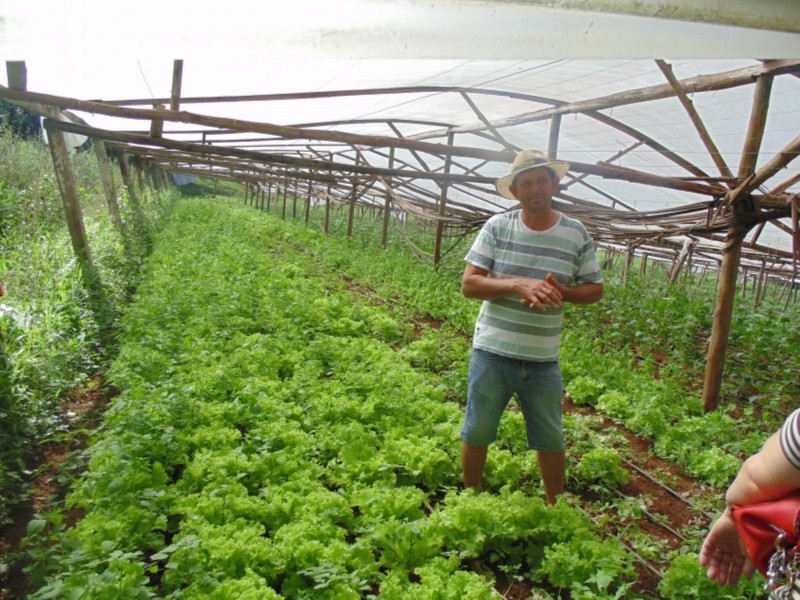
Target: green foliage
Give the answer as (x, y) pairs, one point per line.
(262, 435)
(588, 568)
(584, 390)
(279, 432)
(601, 465)
(686, 579)
(58, 316)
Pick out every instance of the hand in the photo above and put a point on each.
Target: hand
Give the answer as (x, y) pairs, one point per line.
(724, 554)
(541, 293)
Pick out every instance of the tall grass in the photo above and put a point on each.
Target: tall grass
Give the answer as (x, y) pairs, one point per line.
(57, 317)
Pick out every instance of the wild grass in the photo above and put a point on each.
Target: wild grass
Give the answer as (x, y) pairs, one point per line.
(58, 315)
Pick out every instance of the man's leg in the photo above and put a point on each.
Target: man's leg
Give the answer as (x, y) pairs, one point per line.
(553, 467)
(473, 460)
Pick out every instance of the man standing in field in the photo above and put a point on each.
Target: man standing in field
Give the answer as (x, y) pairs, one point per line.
(524, 265)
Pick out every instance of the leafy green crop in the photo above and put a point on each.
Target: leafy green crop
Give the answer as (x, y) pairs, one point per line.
(275, 431)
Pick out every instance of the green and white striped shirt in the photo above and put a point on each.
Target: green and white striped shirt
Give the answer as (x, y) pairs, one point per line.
(506, 248)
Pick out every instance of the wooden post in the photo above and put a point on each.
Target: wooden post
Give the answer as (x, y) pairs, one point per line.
(107, 181)
(308, 201)
(125, 170)
(294, 197)
(760, 284)
(157, 125)
(137, 165)
(555, 131)
(626, 266)
(676, 268)
(285, 180)
(437, 245)
(69, 194)
(732, 252)
(177, 80)
(353, 195)
(326, 227)
(387, 203)
(352, 207)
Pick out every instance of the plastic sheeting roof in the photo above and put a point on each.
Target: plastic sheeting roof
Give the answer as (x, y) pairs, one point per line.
(380, 47)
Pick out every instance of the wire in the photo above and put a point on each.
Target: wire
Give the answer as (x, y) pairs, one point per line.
(138, 62)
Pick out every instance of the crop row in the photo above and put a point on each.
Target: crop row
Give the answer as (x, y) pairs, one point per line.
(274, 435)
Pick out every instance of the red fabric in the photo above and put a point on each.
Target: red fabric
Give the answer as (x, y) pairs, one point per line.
(753, 523)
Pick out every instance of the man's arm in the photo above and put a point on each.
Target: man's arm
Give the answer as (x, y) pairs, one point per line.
(536, 293)
(583, 293)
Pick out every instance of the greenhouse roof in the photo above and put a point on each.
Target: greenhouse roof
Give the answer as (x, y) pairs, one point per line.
(412, 100)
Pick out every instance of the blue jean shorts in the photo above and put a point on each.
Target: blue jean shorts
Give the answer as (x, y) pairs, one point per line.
(493, 379)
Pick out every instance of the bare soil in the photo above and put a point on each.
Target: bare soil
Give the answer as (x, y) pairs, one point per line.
(81, 410)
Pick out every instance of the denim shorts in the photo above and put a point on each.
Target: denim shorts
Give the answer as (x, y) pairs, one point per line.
(493, 379)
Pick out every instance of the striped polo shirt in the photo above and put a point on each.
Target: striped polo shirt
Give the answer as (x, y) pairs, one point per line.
(506, 247)
(790, 438)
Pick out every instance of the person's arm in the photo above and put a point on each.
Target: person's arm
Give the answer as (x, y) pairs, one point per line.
(583, 293)
(767, 475)
(536, 293)
(723, 553)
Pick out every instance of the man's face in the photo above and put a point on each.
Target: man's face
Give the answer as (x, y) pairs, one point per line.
(535, 188)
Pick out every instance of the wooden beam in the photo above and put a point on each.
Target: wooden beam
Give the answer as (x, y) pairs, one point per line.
(701, 83)
(275, 159)
(496, 134)
(666, 69)
(776, 163)
(755, 130)
(282, 131)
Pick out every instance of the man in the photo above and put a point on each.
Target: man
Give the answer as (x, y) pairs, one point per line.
(524, 265)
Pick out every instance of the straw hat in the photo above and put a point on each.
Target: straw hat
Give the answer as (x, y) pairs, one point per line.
(525, 161)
